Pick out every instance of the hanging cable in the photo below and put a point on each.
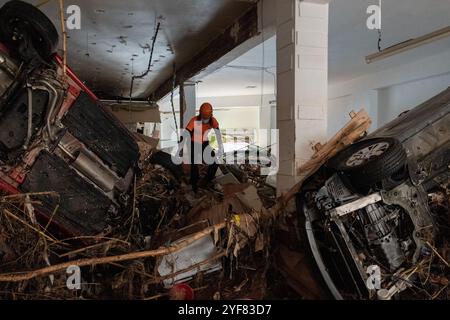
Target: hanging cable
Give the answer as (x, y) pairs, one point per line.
(146, 71)
(379, 30)
(379, 40)
(171, 102)
(149, 61)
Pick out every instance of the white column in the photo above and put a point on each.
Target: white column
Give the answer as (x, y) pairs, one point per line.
(265, 120)
(302, 83)
(190, 99)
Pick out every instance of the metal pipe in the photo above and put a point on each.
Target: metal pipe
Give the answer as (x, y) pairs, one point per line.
(54, 98)
(409, 44)
(66, 152)
(30, 116)
(89, 166)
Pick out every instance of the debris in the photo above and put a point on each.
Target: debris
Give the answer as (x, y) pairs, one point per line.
(250, 198)
(225, 179)
(168, 236)
(202, 253)
(352, 131)
(21, 276)
(146, 145)
(295, 266)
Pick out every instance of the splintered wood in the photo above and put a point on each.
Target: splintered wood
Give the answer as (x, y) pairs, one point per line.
(21, 276)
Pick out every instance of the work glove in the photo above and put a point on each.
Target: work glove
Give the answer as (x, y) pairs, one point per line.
(220, 152)
(219, 155)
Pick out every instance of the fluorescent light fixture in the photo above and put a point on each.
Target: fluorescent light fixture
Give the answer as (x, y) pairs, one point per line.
(409, 44)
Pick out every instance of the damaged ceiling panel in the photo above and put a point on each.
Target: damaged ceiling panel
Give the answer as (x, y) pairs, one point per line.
(130, 113)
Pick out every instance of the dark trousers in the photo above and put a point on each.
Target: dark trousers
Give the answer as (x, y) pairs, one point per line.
(212, 169)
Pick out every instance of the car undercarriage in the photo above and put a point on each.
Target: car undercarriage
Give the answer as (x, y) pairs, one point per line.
(376, 216)
(54, 134)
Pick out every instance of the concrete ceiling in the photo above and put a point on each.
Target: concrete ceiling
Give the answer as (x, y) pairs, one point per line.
(115, 38)
(349, 42)
(245, 75)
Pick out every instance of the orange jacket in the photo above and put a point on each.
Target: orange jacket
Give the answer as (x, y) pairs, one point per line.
(199, 130)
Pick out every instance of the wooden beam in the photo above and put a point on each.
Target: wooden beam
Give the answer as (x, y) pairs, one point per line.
(244, 28)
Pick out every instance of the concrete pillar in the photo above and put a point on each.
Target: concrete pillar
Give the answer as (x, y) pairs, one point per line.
(189, 91)
(302, 83)
(265, 121)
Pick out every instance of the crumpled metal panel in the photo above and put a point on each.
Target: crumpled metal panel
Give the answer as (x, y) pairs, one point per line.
(198, 251)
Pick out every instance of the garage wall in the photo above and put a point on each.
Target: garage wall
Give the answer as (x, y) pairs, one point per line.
(339, 109)
(388, 93)
(238, 118)
(396, 99)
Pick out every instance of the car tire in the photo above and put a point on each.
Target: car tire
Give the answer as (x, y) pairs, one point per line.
(40, 29)
(370, 162)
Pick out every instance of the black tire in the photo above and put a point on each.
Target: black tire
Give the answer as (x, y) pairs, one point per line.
(372, 170)
(38, 26)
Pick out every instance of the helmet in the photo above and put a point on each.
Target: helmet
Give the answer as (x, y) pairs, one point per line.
(206, 110)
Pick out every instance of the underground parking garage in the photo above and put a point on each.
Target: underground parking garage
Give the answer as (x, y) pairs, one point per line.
(225, 150)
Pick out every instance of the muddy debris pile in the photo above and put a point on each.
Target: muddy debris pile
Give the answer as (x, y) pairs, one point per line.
(167, 243)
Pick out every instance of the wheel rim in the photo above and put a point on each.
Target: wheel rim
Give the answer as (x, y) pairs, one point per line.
(367, 153)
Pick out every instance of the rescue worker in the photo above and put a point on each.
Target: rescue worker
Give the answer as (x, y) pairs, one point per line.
(198, 128)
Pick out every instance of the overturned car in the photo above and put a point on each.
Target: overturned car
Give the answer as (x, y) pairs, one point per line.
(375, 218)
(54, 134)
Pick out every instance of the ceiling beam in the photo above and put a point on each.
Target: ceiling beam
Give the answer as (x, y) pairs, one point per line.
(243, 29)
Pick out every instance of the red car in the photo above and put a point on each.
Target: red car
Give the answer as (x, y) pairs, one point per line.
(54, 134)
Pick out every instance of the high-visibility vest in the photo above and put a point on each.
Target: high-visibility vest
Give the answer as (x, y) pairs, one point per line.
(199, 130)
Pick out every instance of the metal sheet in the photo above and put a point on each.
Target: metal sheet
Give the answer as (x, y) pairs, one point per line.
(198, 251)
